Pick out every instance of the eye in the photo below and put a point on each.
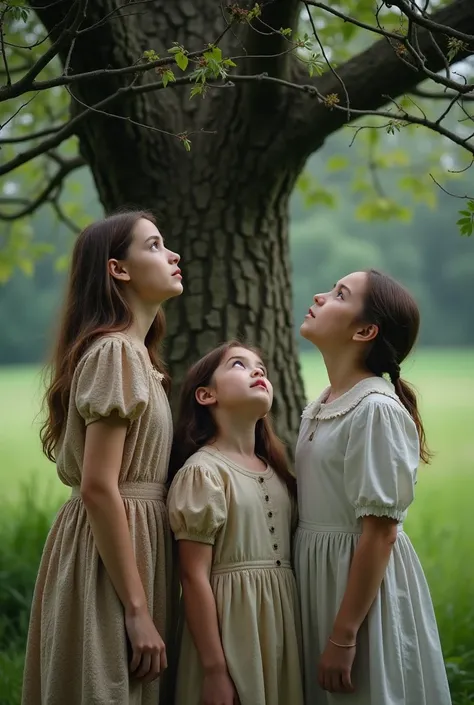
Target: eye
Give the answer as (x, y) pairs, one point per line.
(238, 362)
(340, 294)
(155, 245)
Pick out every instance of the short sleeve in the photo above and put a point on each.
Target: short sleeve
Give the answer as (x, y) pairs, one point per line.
(381, 460)
(112, 378)
(196, 505)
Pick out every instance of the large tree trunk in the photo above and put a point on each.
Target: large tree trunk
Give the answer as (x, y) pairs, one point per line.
(223, 206)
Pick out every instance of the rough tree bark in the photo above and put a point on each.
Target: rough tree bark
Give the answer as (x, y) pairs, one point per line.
(224, 205)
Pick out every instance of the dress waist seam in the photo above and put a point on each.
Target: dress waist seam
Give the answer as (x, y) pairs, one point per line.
(134, 490)
(250, 565)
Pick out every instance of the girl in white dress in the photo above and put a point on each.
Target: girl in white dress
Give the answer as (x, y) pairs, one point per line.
(232, 509)
(369, 629)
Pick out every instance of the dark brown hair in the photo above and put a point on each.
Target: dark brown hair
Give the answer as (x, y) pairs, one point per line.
(196, 426)
(94, 306)
(393, 309)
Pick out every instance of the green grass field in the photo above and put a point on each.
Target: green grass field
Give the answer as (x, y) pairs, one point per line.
(439, 523)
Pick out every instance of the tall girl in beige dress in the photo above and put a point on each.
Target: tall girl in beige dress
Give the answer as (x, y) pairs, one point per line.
(369, 629)
(99, 616)
(232, 510)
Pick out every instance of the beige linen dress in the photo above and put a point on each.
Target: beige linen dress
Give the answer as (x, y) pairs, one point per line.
(358, 456)
(247, 517)
(77, 645)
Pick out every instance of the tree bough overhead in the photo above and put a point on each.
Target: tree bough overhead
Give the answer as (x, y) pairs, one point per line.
(206, 112)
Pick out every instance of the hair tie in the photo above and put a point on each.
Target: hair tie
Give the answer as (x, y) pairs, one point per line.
(394, 372)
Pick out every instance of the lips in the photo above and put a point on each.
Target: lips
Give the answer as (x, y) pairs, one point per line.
(177, 273)
(260, 383)
(310, 311)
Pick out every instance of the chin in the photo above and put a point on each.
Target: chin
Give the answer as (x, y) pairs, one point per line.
(304, 330)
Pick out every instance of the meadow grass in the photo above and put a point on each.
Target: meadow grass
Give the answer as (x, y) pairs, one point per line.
(439, 522)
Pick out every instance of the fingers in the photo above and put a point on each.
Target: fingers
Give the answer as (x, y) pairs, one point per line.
(149, 664)
(136, 658)
(346, 680)
(335, 681)
(163, 658)
(155, 668)
(145, 665)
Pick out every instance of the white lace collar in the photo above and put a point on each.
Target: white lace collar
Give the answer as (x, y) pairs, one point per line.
(317, 409)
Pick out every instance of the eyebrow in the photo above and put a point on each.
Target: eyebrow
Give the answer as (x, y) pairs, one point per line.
(244, 357)
(155, 237)
(342, 286)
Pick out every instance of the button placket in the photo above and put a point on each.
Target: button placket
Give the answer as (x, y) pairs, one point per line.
(270, 517)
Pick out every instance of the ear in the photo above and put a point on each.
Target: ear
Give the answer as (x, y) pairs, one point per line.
(118, 271)
(366, 334)
(205, 396)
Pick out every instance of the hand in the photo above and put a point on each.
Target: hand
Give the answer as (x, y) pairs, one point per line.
(148, 650)
(334, 673)
(218, 689)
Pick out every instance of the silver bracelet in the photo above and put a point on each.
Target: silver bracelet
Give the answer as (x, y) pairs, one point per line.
(342, 646)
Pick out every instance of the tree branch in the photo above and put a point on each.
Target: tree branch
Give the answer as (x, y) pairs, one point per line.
(438, 95)
(56, 183)
(375, 76)
(434, 25)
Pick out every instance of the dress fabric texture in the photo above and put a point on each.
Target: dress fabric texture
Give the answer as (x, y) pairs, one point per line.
(77, 651)
(358, 456)
(247, 517)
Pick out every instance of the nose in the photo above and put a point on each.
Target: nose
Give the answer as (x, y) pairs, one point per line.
(318, 299)
(258, 372)
(174, 257)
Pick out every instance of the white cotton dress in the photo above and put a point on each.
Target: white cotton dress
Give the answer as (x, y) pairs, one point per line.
(357, 456)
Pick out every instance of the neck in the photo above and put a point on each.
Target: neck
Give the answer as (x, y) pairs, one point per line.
(143, 317)
(235, 435)
(343, 372)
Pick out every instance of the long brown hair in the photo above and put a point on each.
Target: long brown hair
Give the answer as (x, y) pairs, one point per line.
(94, 306)
(393, 309)
(196, 426)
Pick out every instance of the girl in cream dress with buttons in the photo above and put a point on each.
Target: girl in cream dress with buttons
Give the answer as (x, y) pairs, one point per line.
(232, 510)
(101, 607)
(369, 629)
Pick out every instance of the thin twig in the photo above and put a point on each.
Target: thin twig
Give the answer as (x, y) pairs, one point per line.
(423, 21)
(2, 42)
(333, 71)
(454, 195)
(32, 136)
(55, 183)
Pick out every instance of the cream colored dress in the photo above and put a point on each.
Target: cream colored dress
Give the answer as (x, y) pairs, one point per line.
(358, 456)
(247, 517)
(77, 646)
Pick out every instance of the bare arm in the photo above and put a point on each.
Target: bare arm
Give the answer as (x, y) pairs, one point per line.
(195, 561)
(201, 616)
(365, 576)
(108, 519)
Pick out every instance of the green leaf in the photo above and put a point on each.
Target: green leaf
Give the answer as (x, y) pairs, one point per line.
(187, 144)
(213, 53)
(182, 60)
(167, 77)
(198, 89)
(150, 55)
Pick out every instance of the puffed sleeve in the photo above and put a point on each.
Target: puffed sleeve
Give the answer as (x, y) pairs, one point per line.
(112, 378)
(381, 460)
(196, 504)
